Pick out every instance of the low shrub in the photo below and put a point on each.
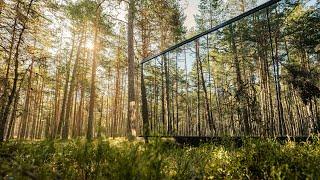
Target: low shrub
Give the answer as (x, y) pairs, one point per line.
(109, 159)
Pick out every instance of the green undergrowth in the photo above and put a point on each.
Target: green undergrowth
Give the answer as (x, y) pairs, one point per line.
(120, 159)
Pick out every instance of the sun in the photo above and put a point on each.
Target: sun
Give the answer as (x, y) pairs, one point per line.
(89, 44)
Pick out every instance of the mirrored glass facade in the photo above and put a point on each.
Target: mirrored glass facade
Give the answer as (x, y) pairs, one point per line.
(256, 76)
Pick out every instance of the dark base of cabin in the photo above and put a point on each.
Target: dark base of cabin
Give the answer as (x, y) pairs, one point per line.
(234, 141)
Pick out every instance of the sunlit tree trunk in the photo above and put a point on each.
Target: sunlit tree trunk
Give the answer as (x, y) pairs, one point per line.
(80, 113)
(65, 130)
(93, 77)
(100, 119)
(131, 116)
(109, 130)
(31, 132)
(75, 111)
(55, 121)
(39, 116)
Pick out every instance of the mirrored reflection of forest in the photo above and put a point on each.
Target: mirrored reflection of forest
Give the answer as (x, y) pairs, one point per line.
(259, 76)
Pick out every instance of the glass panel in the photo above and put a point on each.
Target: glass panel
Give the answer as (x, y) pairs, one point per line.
(257, 77)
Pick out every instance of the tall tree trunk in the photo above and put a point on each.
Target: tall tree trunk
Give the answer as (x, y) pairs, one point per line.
(163, 109)
(116, 106)
(108, 116)
(131, 132)
(187, 112)
(275, 63)
(144, 107)
(198, 94)
(11, 128)
(59, 125)
(167, 94)
(144, 102)
(100, 119)
(207, 103)
(80, 113)
(65, 131)
(33, 114)
(49, 124)
(55, 121)
(39, 116)
(58, 129)
(93, 78)
(177, 95)
(75, 113)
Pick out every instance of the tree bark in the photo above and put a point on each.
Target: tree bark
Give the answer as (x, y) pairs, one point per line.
(93, 78)
(131, 131)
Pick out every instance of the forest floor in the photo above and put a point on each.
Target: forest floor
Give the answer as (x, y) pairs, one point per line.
(120, 159)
